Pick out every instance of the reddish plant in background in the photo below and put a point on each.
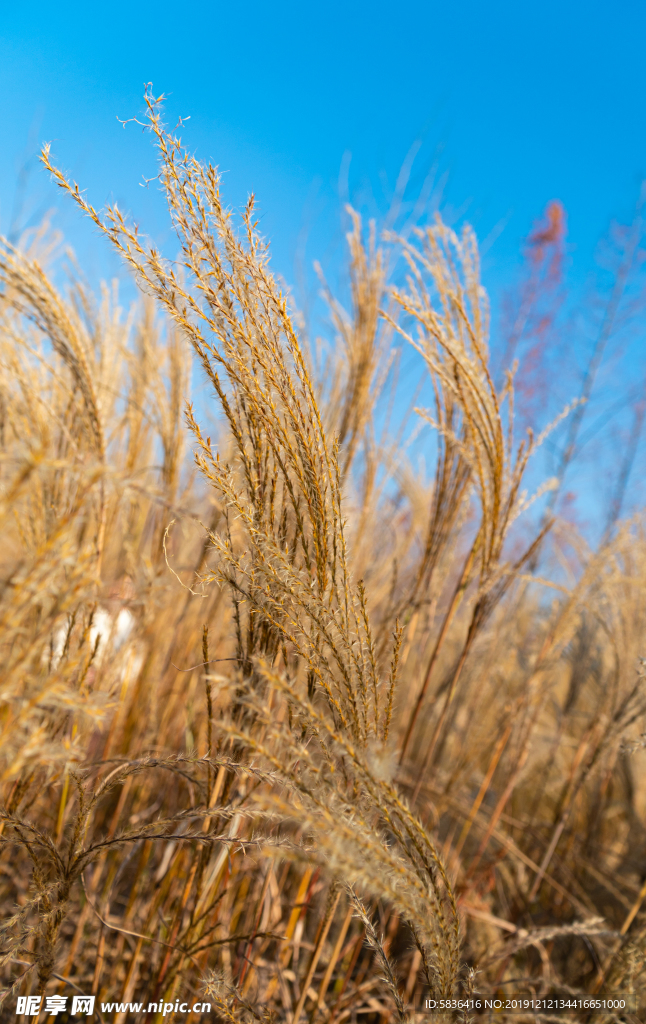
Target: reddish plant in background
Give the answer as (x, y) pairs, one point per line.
(530, 314)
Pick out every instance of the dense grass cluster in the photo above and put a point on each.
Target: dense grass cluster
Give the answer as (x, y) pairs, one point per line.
(284, 726)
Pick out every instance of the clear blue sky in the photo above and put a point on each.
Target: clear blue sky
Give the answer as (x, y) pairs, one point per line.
(529, 101)
(519, 102)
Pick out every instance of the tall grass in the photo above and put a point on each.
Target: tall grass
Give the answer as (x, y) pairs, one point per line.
(287, 728)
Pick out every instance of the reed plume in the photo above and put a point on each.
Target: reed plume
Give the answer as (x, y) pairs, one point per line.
(290, 728)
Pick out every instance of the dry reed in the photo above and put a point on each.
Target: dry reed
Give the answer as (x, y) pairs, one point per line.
(292, 731)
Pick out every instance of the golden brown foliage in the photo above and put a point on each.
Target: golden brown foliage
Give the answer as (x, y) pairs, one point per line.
(297, 730)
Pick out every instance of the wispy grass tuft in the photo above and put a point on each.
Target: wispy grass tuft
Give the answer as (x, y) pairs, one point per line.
(286, 726)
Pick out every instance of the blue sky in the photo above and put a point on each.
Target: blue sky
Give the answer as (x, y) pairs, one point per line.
(514, 104)
(526, 102)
